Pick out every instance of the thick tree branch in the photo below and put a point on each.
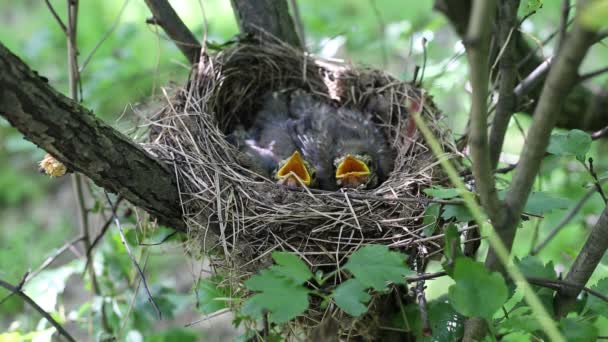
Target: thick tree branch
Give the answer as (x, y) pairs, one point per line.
(507, 21)
(73, 135)
(560, 80)
(584, 265)
(165, 17)
(478, 45)
(262, 17)
(585, 107)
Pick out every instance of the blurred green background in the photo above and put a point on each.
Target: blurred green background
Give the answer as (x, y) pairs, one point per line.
(131, 64)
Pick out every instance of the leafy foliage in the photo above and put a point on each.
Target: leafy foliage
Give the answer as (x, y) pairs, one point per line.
(280, 290)
(477, 292)
(375, 266)
(351, 296)
(572, 143)
(597, 305)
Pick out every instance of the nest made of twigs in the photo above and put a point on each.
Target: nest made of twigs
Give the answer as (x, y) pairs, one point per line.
(235, 211)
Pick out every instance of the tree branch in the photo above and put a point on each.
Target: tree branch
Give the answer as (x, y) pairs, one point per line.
(165, 17)
(560, 80)
(17, 290)
(73, 135)
(478, 44)
(585, 107)
(584, 265)
(507, 21)
(263, 17)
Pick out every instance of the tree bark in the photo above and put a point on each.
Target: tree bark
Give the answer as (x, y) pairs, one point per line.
(586, 262)
(73, 135)
(585, 107)
(263, 17)
(165, 17)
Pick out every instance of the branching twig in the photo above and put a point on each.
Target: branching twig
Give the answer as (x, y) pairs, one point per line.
(102, 232)
(563, 24)
(558, 284)
(18, 291)
(584, 265)
(477, 46)
(56, 16)
(507, 19)
(165, 17)
(592, 74)
(128, 249)
(424, 315)
(596, 180)
(560, 80)
(564, 221)
(54, 257)
(104, 37)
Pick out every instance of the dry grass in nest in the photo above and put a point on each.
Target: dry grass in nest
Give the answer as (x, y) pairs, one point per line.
(233, 210)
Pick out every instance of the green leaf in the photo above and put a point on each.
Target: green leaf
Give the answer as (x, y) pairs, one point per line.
(540, 202)
(375, 266)
(445, 322)
(291, 266)
(532, 266)
(429, 221)
(352, 297)
(571, 143)
(459, 212)
(594, 15)
(443, 193)
(282, 297)
(533, 5)
(175, 334)
(477, 292)
(523, 323)
(595, 304)
(576, 330)
(211, 298)
(452, 249)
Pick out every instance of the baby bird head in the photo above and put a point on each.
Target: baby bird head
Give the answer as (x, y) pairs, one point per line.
(354, 171)
(295, 172)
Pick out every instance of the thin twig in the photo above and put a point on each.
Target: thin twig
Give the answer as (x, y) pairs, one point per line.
(128, 249)
(104, 37)
(596, 181)
(298, 23)
(564, 221)
(424, 314)
(563, 24)
(103, 230)
(381, 27)
(600, 133)
(54, 257)
(18, 291)
(592, 74)
(165, 17)
(161, 241)
(56, 16)
(558, 284)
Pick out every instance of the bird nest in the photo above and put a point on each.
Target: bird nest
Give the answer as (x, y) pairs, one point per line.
(234, 211)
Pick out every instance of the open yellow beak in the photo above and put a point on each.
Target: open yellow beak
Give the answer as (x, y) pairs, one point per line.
(352, 167)
(292, 169)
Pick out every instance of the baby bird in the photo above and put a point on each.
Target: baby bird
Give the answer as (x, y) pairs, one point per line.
(363, 157)
(343, 139)
(269, 147)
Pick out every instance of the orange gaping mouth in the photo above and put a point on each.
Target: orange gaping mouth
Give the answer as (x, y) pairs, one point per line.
(352, 166)
(294, 167)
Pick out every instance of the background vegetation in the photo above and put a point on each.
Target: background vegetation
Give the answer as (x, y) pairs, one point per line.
(131, 62)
